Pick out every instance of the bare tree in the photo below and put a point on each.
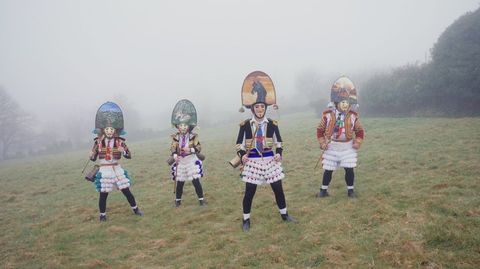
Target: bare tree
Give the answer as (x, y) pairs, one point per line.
(13, 123)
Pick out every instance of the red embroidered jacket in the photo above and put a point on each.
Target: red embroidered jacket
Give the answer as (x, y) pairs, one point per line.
(101, 150)
(327, 124)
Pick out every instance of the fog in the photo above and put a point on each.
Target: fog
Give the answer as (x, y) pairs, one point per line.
(60, 60)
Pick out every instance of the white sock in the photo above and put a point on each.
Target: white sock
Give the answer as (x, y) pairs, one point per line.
(103, 214)
(246, 216)
(324, 187)
(134, 207)
(178, 200)
(349, 187)
(200, 199)
(283, 211)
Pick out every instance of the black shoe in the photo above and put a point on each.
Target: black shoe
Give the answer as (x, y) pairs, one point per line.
(103, 218)
(351, 194)
(287, 218)
(201, 202)
(178, 203)
(138, 212)
(323, 193)
(246, 225)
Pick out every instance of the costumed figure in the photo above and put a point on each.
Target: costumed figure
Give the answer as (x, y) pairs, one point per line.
(109, 148)
(259, 145)
(340, 134)
(186, 159)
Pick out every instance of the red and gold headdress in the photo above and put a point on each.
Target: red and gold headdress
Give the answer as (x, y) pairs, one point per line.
(258, 88)
(343, 89)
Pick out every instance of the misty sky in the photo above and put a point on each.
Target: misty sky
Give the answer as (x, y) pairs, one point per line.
(61, 57)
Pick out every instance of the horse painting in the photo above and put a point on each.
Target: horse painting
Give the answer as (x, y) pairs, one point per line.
(258, 88)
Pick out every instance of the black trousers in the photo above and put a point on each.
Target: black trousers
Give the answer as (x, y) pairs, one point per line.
(349, 177)
(196, 184)
(250, 190)
(102, 201)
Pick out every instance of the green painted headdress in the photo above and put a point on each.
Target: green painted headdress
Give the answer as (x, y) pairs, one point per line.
(184, 112)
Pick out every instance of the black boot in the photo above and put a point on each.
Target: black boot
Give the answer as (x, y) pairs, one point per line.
(351, 193)
(201, 202)
(323, 193)
(138, 212)
(178, 203)
(246, 225)
(103, 218)
(287, 218)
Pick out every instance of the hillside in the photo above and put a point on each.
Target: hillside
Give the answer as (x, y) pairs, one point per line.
(418, 206)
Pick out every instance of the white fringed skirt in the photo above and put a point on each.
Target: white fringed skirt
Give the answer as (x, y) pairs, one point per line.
(111, 177)
(260, 171)
(339, 154)
(188, 168)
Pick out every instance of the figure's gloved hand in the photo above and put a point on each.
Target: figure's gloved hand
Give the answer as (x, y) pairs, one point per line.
(93, 156)
(244, 159)
(186, 150)
(126, 153)
(323, 146)
(277, 157)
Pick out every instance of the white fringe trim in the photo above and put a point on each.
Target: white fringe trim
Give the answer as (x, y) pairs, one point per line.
(260, 171)
(187, 170)
(339, 154)
(113, 177)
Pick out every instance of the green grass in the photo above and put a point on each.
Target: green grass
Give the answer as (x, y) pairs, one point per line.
(418, 206)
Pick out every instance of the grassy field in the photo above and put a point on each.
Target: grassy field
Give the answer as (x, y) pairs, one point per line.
(418, 207)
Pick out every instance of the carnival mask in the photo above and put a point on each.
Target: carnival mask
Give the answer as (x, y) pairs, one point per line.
(259, 110)
(109, 132)
(343, 106)
(183, 128)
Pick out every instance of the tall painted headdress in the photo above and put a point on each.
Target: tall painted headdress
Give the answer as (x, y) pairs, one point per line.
(184, 112)
(109, 115)
(258, 88)
(343, 89)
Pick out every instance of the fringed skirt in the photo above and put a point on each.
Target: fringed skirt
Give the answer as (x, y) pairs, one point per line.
(339, 154)
(112, 177)
(262, 170)
(188, 169)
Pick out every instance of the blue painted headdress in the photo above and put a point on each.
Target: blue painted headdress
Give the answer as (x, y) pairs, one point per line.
(109, 115)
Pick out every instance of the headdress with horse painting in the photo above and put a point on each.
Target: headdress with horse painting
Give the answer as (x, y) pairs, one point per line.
(258, 88)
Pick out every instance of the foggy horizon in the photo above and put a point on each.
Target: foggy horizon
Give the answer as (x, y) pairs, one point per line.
(59, 58)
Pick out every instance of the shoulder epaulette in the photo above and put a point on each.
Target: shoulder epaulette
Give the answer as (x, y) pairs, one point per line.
(274, 122)
(326, 111)
(244, 122)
